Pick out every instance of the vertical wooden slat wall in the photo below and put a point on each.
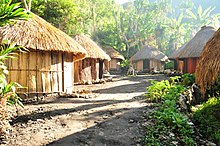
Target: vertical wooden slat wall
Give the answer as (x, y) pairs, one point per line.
(93, 69)
(86, 70)
(42, 72)
(76, 71)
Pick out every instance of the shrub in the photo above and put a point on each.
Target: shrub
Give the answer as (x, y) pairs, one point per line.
(170, 126)
(207, 117)
(188, 79)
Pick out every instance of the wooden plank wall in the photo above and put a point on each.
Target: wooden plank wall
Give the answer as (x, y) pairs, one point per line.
(107, 65)
(113, 64)
(76, 71)
(93, 69)
(85, 72)
(140, 65)
(41, 72)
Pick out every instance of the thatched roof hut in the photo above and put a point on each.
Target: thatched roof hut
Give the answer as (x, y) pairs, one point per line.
(148, 52)
(208, 68)
(48, 66)
(113, 53)
(93, 50)
(91, 68)
(116, 58)
(149, 58)
(195, 46)
(188, 55)
(38, 34)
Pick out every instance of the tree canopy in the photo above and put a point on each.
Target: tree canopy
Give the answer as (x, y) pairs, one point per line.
(163, 24)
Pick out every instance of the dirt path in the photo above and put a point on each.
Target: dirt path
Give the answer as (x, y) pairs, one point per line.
(112, 117)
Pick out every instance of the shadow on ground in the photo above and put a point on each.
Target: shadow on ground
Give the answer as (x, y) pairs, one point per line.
(121, 130)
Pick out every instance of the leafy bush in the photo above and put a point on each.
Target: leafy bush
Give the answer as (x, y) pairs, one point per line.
(207, 117)
(169, 65)
(124, 63)
(157, 90)
(188, 79)
(8, 96)
(8, 12)
(170, 126)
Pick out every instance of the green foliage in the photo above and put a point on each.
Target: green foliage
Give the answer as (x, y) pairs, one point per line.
(158, 89)
(10, 11)
(207, 117)
(169, 65)
(61, 13)
(170, 126)
(203, 17)
(124, 63)
(188, 79)
(7, 90)
(8, 97)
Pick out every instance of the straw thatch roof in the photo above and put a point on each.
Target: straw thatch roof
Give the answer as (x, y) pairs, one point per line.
(208, 68)
(148, 52)
(112, 53)
(93, 50)
(38, 34)
(195, 46)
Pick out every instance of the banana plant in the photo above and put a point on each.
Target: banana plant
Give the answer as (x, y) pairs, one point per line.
(10, 11)
(203, 17)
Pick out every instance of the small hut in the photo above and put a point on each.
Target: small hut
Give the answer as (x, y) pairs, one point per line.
(148, 59)
(48, 65)
(208, 68)
(91, 68)
(116, 59)
(189, 54)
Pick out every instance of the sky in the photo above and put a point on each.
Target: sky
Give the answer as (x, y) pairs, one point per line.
(121, 1)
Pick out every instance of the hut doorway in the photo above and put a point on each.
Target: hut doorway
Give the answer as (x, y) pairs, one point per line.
(101, 62)
(146, 64)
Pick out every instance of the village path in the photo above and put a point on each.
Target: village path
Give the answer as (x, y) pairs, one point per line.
(112, 115)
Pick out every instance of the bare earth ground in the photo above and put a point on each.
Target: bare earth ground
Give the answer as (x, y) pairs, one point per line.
(112, 116)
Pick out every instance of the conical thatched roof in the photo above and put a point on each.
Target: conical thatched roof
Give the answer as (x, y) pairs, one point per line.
(208, 68)
(38, 34)
(93, 50)
(148, 52)
(195, 46)
(112, 53)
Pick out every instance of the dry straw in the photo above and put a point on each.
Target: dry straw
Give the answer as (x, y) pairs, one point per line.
(195, 46)
(94, 51)
(38, 34)
(113, 53)
(208, 68)
(148, 52)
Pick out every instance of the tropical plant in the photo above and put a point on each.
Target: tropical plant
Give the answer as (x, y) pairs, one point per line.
(170, 126)
(8, 12)
(202, 17)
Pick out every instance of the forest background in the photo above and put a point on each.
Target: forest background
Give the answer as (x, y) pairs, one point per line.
(162, 24)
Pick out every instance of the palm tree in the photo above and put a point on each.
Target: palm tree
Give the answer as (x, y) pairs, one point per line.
(203, 17)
